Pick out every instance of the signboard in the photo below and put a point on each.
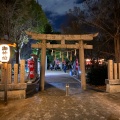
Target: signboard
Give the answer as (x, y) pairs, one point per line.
(4, 53)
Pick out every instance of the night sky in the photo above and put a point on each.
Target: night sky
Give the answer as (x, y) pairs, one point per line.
(55, 10)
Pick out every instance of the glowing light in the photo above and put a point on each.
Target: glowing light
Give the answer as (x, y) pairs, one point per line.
(4, 53)
(67, 54)
(52, 53)
(75, 52)
(71, 56)
(87, 60)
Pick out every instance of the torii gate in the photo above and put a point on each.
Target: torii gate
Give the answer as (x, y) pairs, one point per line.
(43, 45)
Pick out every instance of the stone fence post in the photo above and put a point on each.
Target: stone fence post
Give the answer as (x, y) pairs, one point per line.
(113, 81)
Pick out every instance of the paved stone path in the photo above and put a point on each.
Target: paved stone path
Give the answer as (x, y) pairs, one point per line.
(53, 104)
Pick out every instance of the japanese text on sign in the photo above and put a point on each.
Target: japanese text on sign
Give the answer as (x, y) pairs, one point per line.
(4, 53)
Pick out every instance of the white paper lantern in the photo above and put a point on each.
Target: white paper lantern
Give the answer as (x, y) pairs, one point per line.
(4, 53)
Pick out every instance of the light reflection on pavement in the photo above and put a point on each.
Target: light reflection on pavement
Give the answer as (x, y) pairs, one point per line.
(59, 79)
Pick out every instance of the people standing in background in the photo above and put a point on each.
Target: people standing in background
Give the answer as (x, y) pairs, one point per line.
(51, 66)
(64, 68)
(55, 66)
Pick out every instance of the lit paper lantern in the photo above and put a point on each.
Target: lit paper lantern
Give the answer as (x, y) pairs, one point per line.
(52, 53)
(71, 56)
(75, 52)
(4, 53)
(67, 54)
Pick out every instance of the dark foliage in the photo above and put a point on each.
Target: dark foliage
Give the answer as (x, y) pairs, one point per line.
(97, 75)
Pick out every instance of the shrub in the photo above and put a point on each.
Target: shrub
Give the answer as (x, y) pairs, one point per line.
(97, 76)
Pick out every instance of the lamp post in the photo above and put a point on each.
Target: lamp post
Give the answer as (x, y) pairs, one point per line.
(4, 58)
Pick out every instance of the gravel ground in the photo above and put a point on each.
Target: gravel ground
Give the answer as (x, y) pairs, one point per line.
(54, 104)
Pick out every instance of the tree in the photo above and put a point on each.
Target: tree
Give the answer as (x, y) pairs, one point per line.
(105, 17)
(73, 25)
(17, 16)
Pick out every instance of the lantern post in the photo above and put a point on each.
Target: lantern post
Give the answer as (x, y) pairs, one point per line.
(4, 58)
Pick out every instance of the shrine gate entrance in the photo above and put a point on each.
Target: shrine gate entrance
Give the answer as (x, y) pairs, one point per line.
(79, 45)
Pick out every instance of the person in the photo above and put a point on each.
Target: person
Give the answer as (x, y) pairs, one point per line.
(64, 67)
(55, 67)
(71, 67)
(51, 66)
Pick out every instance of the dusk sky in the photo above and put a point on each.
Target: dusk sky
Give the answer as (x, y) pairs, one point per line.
(55, 10)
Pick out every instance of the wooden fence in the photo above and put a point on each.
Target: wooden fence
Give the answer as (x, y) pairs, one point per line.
(16, 86)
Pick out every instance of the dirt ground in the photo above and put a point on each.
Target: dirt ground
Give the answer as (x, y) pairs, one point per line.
(54, 104)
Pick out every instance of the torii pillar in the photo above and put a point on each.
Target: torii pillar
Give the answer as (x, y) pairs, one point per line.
(43, 62)
(82, 65)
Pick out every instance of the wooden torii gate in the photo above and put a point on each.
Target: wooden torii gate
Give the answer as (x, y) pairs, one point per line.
(43, 45)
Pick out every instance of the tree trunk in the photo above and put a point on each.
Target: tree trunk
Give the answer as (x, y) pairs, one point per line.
(17, 53)
(117, 30)
(117, 48)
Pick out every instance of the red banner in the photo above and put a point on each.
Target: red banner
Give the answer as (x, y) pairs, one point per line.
(31, 68)
(76, 64)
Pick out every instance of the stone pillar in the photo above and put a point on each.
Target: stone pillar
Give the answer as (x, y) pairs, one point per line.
(115, 71)
(119, 71)
(113, 81)
(9, 73)
(110, 69)
(15, 73)
(43, 61)
(82, 65)
(22, 71)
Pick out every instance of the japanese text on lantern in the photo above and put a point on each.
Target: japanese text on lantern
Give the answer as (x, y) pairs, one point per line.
(4, 53)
